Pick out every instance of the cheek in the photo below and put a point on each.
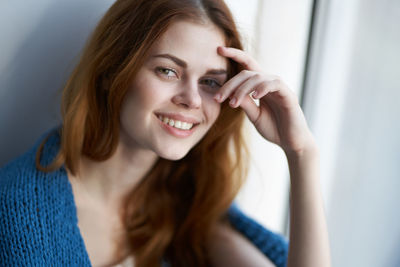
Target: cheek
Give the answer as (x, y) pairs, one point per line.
(212, 109)
(146, 94)
(145, 91)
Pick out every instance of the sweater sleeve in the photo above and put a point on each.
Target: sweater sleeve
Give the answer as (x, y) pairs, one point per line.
(38, 223)
(273, 245)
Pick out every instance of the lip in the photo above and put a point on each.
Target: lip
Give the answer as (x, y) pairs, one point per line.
(175, 131)
(179, 117)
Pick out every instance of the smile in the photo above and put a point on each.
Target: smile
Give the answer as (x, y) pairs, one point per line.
(175, 123)
(177, 128)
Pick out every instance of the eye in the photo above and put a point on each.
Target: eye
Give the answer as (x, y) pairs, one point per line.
(167, 72)
(211, 83)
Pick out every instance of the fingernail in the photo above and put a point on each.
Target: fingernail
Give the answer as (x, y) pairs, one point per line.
(233, 101)
(218, 97)
(224, 48)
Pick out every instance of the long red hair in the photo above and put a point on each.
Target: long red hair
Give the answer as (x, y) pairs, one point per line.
(171, 212)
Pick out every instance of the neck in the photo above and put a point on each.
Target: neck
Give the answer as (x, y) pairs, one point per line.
(107, 182)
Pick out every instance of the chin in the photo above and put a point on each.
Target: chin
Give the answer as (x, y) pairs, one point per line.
(173, 154)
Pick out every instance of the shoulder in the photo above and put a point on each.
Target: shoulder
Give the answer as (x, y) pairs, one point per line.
(20, 176)
(271, 244)
(21, 183)
(37, 208)
(22, 188)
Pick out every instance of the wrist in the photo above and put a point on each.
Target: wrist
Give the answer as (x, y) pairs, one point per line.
(308, 151)
(304, 165)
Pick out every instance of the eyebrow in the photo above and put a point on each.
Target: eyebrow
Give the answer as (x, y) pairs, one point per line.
(183, 64)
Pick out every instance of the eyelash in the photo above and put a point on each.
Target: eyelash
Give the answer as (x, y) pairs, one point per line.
(162, 70)
(216, 83)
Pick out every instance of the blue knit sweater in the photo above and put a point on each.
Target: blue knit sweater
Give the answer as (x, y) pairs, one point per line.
(38, 222)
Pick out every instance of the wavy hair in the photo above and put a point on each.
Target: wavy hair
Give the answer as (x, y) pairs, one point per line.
(171, 212)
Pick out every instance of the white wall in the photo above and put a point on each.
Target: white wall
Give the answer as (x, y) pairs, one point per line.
(39, 44)
(353, 106)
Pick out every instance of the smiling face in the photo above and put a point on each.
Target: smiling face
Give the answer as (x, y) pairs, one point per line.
(169, 106)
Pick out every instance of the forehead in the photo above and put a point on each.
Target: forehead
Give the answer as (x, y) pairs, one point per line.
(192, 42)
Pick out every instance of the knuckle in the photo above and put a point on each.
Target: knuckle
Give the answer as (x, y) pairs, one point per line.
(264, 85)
(276, 83)
(245, 72)
(258, 76)
(247, 62)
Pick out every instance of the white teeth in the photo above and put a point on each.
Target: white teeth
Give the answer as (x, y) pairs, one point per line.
(189, 125)
(177, 124)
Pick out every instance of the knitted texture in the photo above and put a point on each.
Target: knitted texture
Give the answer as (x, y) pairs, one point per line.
(39, 224)
(274, 246)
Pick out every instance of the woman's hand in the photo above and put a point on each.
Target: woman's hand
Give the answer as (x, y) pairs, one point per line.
(278, 118)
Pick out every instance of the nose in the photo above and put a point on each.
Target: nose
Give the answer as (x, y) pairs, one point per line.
(188, 96)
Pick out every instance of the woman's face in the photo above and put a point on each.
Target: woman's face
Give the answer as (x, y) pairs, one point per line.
(169, 106)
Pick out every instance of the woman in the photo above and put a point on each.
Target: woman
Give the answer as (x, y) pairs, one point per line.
(150, 154)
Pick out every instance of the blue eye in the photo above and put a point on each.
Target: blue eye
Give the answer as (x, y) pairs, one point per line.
(169, 73)
(211, 83)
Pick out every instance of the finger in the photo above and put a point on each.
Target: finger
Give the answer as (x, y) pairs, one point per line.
(278, 93)
(246, 88)
(250, 108)
(265, 87)
(259, 85)
(265, 116)
(226, 90)
(239, 56)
